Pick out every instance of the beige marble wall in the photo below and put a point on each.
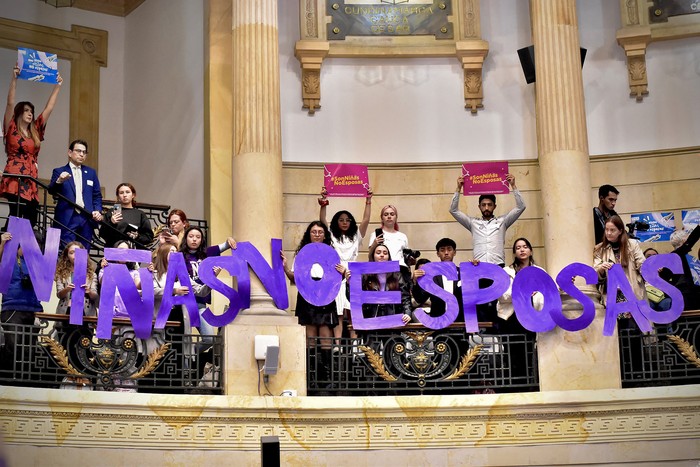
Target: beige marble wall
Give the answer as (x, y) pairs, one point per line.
(658, 426)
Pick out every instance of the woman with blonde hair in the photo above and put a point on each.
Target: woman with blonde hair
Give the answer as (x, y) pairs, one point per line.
(388, 234)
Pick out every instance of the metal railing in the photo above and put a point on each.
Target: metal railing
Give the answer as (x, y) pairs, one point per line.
(416, 360)
(52, 353)
(156, 213)
(665, 357)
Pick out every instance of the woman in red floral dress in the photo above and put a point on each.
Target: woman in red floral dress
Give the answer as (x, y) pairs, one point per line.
(22, 138)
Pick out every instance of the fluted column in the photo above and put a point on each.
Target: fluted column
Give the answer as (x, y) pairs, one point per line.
(244, 172)
(586, 359)
(257, 151)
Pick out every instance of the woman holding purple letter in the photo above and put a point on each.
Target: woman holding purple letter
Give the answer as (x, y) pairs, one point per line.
(319, 321)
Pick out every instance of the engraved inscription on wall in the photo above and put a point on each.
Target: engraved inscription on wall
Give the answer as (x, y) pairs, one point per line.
(663, 9)
(389, 18)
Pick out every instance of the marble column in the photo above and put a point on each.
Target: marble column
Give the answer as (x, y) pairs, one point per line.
(245, 127)
(585, 359)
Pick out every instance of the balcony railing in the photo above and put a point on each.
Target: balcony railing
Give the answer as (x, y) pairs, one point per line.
(52, 353)
(417, 360)
(156, 213)
(667, 356)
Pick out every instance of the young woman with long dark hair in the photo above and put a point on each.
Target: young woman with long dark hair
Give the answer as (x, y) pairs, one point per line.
(125, 221)
(346, 238)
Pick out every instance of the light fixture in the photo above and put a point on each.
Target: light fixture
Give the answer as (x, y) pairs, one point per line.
(59, 3)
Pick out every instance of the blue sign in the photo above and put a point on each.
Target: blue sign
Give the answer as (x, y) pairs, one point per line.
(37, 66)
(694, 264)
(690, 218)
(661, 226)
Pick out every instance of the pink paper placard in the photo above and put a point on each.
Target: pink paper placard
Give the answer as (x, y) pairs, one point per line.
(349, 180)
(485, 178)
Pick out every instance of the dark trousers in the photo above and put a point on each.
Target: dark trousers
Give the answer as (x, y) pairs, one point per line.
(20, 207)
(20, 335)
(79, 229)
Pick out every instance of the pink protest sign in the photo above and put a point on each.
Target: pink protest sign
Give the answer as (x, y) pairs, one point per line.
(484, 178)
(348, 180)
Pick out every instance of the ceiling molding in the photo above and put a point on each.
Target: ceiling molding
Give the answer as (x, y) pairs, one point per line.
(109, 7)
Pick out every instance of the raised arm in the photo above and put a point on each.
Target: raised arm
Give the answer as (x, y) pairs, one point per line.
(519, 208)
(366, 214)
(9, 109)
(323, 202)
(4, 238)
(51, 103)
(462, 218)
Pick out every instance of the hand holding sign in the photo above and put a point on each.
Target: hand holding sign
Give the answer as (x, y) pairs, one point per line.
(350, 180)
(483, 178)
(37, 66)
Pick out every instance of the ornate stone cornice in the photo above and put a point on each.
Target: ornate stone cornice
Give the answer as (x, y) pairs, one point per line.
(103, 420)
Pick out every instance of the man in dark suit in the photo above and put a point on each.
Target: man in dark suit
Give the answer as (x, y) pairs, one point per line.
(78, 184)
(446, 249)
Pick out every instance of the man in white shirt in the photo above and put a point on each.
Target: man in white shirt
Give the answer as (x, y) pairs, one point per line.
(488, 235)
(488, 231)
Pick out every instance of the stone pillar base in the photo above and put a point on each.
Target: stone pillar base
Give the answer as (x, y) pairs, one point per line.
(241, 368)
(579, 360)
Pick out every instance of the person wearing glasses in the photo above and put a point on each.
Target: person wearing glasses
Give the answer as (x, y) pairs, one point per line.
(79, 206)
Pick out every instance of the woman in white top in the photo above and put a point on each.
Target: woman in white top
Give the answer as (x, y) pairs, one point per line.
(346, 239)
(520, 345)
(522, 258)
(394, 240)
